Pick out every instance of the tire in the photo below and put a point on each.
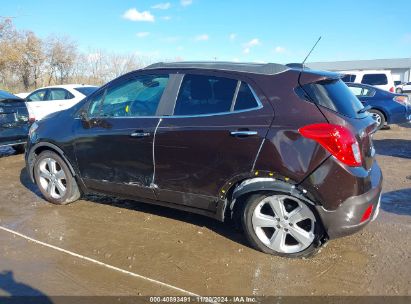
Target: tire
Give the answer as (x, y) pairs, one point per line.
(399, 91)
(276, 234)
(54, 179)
(379, 117)
(19, 148)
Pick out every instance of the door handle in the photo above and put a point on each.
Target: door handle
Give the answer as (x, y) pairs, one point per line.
(243, 133)
(140, 134)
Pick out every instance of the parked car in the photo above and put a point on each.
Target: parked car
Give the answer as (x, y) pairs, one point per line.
(284, 152)
(403, 88)
(14, 121)
(385, 107)
(381, 79)
(47, 100)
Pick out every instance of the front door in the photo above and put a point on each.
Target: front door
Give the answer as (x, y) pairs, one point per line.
(114, 145)
(214, 135)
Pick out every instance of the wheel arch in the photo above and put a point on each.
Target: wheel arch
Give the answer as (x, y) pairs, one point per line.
(46, 146)
(240, 191)
(383, 112)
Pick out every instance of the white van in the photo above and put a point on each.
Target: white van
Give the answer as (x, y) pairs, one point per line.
(381, 79)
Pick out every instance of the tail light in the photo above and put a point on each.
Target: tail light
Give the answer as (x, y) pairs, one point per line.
(392, 89)
(338, 140)
(401, 100)
(367, 214)
(32, 118)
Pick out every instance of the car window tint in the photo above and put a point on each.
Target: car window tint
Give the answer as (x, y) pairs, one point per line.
(37, 96)
(59, 94)
(200, 94)
(138, 96)
(374, 79)
(245, 98)
(349, 78)
(335, 95)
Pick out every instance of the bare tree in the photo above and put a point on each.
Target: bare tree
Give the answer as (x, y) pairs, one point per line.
(62, 55)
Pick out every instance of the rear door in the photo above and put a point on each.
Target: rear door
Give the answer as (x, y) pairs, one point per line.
(40, 105)
(214, 134)
(114, 144)
(60, 98)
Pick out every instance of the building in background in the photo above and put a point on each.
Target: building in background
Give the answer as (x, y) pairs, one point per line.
(400, 68)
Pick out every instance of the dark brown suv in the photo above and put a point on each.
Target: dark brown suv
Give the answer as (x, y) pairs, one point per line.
(285, 151)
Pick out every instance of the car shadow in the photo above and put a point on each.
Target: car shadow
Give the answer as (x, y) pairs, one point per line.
(393, 147)
(226, 229)
(20, 291)
(7, 151)
(397, 202)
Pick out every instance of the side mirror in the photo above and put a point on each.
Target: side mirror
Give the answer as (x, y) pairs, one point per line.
(83, 115)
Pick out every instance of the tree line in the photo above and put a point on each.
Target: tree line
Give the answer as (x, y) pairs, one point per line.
(28, 61)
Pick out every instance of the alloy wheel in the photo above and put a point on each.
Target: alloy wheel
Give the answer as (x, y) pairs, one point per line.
(377, 118)
(284, 224)
(52, 178)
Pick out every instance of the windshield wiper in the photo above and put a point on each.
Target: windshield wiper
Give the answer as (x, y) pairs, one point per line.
(363, 110)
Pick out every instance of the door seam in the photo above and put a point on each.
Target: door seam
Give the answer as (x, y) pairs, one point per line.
(153, 185)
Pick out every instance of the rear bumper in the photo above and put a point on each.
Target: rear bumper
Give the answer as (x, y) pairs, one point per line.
(346, 219)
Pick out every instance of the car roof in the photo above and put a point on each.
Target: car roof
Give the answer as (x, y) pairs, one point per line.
(255, 68)
(67, 86)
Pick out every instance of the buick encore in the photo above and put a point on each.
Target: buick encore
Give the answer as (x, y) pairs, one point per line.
(284, 151)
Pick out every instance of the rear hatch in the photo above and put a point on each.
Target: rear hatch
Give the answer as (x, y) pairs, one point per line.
(14, 119)
(341, 107)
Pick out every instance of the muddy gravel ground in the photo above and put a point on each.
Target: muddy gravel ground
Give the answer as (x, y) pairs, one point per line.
(103, 246)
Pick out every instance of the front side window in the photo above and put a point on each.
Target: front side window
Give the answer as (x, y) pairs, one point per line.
(201, 94)
(37, 96)
(59, 94)
(137, 96)
(374, 79)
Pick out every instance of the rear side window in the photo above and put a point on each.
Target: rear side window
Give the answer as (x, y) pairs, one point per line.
(362, 92)
(245, 98)
(37, 96)
(349, 78)
(59, 94)
(334, 95)
(201, 94)
(374, 79)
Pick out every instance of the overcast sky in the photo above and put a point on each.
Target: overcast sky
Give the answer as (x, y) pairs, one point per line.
(266, 31)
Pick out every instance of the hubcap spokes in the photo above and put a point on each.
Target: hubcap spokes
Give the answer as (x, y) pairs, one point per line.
(52, 178)
(377, 118)
(284, 224)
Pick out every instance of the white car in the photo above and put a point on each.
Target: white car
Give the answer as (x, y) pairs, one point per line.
(403, 88)
(47, 100)
(381, 79)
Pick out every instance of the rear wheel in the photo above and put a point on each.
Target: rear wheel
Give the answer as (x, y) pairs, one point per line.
(54, 179)
(378, 117)
(281, 225)
(399, 91)
(19, 148)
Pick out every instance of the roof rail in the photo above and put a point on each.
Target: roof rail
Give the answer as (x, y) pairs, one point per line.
(255, 68)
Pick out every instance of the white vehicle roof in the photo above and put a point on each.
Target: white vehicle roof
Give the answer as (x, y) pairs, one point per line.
(67, 86)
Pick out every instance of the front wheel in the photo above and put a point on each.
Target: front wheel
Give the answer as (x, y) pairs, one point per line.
(54, 179)
(280, 224)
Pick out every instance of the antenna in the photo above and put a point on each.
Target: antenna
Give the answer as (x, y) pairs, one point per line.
(319, 38)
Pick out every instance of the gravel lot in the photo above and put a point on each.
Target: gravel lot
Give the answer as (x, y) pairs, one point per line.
(150, 250)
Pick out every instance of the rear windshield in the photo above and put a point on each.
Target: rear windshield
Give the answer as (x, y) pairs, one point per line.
(6, 95)
(335, 95)
(374, 79)
(86, 90)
